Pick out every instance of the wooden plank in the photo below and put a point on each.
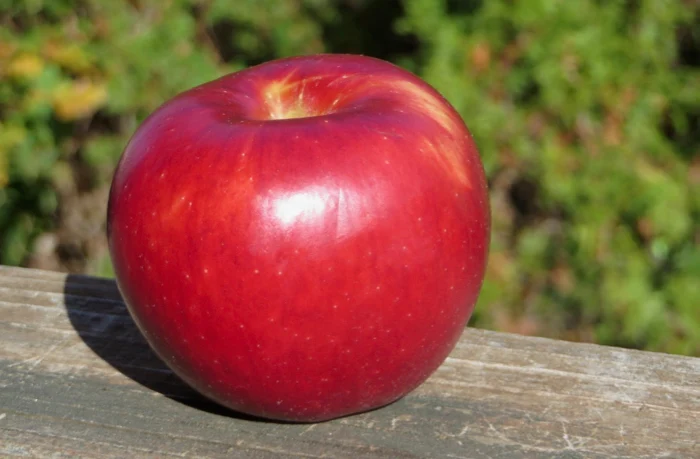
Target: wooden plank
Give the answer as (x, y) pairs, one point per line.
(77, 379)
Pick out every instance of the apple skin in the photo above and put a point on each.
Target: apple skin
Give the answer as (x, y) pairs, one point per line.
(304, 239)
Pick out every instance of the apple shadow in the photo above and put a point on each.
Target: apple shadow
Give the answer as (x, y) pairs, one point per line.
(99, 316)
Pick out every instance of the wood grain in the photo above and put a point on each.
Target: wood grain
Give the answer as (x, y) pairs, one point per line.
(78, 380)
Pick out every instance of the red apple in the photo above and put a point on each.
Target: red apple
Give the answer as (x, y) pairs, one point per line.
(304, 239)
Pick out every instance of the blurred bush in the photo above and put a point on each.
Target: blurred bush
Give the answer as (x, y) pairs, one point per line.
(587, 115)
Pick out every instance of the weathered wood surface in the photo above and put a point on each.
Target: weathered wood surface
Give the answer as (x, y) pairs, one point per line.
(77, 380)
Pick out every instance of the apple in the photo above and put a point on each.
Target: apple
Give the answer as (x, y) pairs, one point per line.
(304, 239)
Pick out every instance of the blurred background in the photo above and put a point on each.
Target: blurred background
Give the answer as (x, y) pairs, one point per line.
(586, 112)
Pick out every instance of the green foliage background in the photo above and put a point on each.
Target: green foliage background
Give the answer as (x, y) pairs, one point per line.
(586, 113)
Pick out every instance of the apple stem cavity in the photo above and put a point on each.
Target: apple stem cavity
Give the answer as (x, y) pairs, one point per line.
(286, 101)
